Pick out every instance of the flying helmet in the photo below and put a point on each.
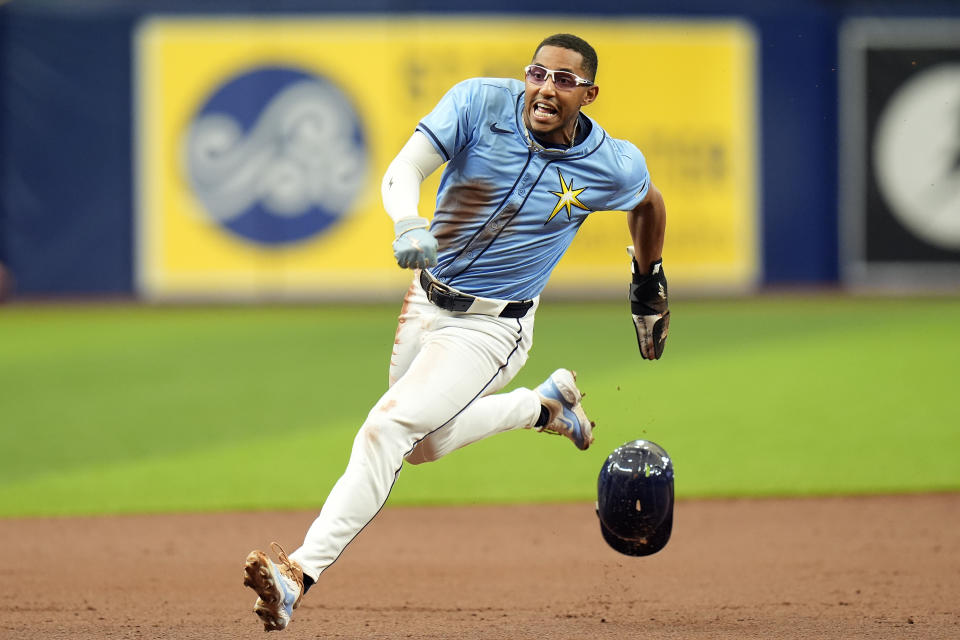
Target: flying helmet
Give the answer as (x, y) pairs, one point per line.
(635, 498)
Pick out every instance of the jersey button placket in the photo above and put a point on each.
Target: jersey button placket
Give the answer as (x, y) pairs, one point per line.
(523, 184)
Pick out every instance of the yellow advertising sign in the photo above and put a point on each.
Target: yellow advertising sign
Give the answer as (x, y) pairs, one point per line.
(261, 144)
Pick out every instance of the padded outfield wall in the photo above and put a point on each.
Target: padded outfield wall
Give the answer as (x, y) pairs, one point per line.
(107, 108)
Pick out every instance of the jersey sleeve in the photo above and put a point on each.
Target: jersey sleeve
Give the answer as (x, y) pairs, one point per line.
(448, 126)
(635, 179)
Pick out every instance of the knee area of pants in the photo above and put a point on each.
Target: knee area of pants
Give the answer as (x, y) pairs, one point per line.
(421, 454)
(379, 432)
(370, 432)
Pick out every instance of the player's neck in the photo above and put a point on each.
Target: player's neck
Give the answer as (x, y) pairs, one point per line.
(573, 134)
(569, 141)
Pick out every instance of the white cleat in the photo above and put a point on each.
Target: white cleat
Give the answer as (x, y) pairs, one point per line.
(560, 395)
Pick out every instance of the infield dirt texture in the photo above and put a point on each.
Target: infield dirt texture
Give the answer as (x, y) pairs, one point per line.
(867, 567)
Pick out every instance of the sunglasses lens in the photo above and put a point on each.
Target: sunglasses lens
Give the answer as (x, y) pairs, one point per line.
(564, 80)
(537, 75)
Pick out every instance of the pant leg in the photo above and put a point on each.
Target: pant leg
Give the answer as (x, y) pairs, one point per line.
(459, 358)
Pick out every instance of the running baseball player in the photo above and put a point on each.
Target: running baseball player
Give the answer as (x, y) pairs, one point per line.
(524, 169)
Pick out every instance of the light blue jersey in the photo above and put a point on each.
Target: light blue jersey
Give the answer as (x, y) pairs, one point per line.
(508, 209)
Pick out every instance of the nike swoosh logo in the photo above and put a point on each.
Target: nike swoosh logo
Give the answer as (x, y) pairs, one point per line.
(496, 129)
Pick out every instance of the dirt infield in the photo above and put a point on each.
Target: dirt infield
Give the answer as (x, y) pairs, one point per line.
(880, 567)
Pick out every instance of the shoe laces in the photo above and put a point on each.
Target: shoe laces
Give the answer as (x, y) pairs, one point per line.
(290, 570)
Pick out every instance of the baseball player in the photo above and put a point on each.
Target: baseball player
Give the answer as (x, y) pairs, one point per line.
(524, 169)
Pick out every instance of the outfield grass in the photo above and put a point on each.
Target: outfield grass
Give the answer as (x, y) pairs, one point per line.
(144, 409)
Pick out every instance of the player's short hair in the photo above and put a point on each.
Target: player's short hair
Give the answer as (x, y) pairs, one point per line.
(572, 42)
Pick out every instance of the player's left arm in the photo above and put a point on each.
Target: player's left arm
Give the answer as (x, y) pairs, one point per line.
(648, 287)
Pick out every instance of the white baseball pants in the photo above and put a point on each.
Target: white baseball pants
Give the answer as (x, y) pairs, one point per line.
(444, 369)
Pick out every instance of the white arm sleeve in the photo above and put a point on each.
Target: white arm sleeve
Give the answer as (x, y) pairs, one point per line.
(400, 188)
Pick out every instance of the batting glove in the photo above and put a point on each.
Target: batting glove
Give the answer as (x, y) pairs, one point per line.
(648, 302)
(414, 247)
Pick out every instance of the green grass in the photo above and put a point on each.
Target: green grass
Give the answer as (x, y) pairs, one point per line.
(145, 409)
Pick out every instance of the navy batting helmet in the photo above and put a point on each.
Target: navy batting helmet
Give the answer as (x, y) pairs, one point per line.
(635, 498)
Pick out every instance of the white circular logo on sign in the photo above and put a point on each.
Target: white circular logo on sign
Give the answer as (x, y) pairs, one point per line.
(276, 155)
(916, 155)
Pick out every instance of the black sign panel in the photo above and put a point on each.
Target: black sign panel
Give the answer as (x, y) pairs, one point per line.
(900, 103)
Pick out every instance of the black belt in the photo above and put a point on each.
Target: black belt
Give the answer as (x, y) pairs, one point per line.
(452, 300)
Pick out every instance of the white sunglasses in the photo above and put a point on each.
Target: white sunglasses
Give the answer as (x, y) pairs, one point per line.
(563, 80)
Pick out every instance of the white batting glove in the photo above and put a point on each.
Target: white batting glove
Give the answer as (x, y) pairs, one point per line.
(414, 247)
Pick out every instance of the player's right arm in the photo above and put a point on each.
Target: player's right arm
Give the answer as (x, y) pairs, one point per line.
(648, 287)
(414, 246)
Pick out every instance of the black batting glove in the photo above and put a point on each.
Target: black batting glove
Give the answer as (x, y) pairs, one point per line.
(648, 303)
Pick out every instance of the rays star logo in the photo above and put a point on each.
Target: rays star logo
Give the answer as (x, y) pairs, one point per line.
(566, 198)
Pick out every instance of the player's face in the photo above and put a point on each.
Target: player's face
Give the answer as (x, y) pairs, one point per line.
(551, 112)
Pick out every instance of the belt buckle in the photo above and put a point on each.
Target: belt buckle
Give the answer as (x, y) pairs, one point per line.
(440, 295)
(431, 290)
(434, 291)
(444, 296)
